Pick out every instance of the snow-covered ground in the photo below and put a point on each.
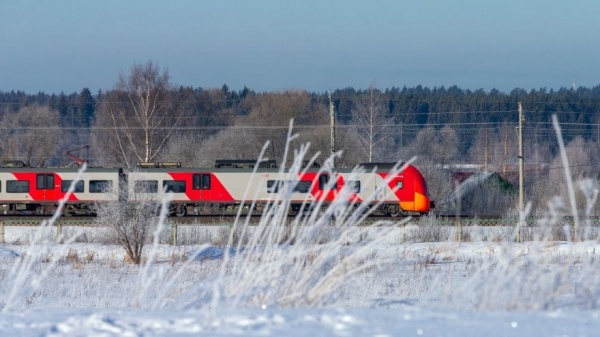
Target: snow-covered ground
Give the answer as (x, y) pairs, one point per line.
(409, 321)
(402, 289)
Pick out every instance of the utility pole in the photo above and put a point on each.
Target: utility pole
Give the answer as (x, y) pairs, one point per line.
(485, 161)
(521, 171)
(505, 151)
(332, 127)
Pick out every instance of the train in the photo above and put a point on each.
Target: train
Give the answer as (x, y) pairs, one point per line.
(223, 189)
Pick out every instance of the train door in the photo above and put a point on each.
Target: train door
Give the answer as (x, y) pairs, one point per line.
(45, 186)
(380, 187)
(203, 183)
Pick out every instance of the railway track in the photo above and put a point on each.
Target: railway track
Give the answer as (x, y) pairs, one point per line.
(202, 229)
(90, 221)
(225, 220)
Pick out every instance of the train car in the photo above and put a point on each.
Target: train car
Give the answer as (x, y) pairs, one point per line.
(219, 190)
(38, 191)
(225, 188)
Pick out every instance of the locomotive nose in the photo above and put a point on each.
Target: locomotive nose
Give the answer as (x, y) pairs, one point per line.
(422, 202)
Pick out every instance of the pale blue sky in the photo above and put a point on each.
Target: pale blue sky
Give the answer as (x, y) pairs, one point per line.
(65, 45)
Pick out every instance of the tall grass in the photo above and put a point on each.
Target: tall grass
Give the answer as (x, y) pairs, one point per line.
(548, 273)
(30, 270)
(299, 262)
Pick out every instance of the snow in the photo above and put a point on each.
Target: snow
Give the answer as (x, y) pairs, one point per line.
(409, 321)
(415, 291)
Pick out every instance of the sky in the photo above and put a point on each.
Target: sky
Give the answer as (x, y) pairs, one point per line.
(274, 45)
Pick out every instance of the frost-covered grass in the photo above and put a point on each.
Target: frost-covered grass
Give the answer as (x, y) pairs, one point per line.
(477, 276)
(464, 286)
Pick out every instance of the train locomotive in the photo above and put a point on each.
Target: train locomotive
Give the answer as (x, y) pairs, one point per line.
(220, 190)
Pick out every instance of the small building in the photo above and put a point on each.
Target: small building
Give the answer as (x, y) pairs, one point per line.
(479, 193)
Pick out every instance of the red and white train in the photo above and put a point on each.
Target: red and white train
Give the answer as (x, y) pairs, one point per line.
(219, 190)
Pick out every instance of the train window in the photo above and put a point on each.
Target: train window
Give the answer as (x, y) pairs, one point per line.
(175, 186)
(146, 186)
(40, 182)
(324, 181)
(206, 181)
(45, 181)
(50, 181)
(201, 181)
(101, 186)
(399, 185)
(273, 186)
(65, 184)
(196, 181)
(17, 186)
(303, 186)
(354, 185)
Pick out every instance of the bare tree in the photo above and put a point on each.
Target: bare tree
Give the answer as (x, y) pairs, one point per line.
(372, 127)
(31, 134)
(450, 146)
(440, 146)
(184, 148)
(482, 151)
(133, 222)
(584, 159)
(231, 143)
(270, 116)
(348, 143)
(505, 148)
(137, 118)
(434, 149)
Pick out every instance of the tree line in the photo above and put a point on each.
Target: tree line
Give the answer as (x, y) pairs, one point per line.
(417, 105)
(145, 118)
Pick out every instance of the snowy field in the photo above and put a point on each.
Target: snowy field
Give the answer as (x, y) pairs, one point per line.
(359, 287)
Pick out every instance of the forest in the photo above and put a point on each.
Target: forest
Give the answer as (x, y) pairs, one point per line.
(147, 118)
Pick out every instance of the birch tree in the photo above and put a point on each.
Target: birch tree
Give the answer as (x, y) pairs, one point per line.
(373, 129)
(138, 117)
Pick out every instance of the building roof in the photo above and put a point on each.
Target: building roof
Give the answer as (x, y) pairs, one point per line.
(468, 181)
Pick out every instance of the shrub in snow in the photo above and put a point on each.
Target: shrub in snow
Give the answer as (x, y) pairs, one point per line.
(133, 222)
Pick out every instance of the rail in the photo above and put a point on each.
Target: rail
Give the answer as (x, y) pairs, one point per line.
(460, 227)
